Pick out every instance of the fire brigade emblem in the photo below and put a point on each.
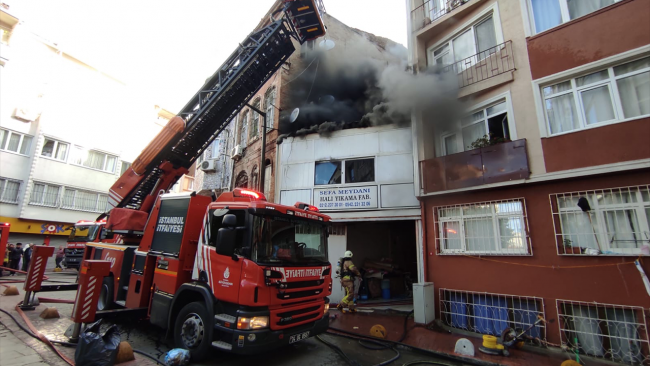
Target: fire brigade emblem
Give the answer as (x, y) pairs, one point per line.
(226, 273)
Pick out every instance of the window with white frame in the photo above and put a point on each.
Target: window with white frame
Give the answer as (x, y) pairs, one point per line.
(547, 14)
(125, 165)
(475, 40)
(269, 103)
(94, 159)
(607, 96)
(496, 227)
(614, 332)
(344, 171)
(9, 189)
(44, 194)
(489, 123)
(15, 142)
(75, 199)
(608, 221)
(216, 148)
(55, 149)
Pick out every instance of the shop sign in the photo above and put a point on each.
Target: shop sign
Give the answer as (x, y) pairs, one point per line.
(345, 198)
(37, 227)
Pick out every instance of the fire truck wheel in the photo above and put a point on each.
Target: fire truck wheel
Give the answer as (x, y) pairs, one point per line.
(106, 295)
(192, 330)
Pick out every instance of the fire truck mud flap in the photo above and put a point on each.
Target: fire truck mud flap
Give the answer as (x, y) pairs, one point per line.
(258, 341)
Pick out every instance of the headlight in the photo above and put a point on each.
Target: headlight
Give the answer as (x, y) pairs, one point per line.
(256, 322)
(327, 308)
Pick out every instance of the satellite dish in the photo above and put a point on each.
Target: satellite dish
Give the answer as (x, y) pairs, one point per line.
(326, 44)
(326, 99)
(294, 115)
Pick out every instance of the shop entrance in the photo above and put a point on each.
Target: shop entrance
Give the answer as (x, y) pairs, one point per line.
(386, 254)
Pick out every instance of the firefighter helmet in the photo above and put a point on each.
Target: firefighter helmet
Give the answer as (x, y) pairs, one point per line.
(348, 254)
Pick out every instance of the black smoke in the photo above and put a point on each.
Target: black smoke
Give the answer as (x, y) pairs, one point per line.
(346, 88)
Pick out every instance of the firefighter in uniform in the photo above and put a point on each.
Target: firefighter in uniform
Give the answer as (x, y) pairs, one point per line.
(348, 271)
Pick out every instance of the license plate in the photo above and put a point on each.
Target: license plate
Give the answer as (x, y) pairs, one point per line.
(71, 260)
(298, 337)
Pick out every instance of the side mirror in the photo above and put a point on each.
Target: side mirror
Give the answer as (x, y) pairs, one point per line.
(105, 235)
(227, 235)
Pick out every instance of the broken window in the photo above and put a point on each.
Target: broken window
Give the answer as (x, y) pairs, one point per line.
(358, 171)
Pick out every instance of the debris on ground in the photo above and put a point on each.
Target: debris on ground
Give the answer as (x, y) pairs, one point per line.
(177, 357)
(95, 349)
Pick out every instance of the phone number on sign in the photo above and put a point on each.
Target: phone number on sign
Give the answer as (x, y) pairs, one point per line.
(341, 204)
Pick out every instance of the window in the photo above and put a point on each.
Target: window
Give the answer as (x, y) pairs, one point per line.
(75, 199)
(254, 128)
(244, 130)
(55, 149)
(359, 171)
(9, 190)
(15, 142)
(124, 167)
(356, 171)
(487, 313)
(269, 103)
(607, 96)
(610, 221)
(491, 122)
(497, 228)
(551, 13)
(614, 332)
(476, 40)
(94, 159)
(44, 195)
(216, 148)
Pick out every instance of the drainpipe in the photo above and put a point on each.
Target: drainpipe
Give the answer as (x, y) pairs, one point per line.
(425, 260)
(262, 165)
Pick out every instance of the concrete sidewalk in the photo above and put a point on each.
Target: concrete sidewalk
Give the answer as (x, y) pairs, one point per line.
(13, 352)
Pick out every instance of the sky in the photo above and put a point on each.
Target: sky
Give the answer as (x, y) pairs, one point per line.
(166, 49)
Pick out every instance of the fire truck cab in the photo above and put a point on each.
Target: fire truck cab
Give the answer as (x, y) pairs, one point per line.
(82, 233)
(240, 274)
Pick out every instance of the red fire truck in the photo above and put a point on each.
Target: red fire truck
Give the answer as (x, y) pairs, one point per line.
(236, 272)
(84, 232)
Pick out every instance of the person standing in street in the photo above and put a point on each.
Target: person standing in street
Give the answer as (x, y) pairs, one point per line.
(27, 256)
(348, 272)
(60, 253)
(5, 262)
(14, 257)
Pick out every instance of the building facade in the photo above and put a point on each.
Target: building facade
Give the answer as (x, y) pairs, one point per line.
(58, 157)
(535, 199)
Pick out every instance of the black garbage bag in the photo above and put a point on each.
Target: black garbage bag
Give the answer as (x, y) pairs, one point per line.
(94, 349)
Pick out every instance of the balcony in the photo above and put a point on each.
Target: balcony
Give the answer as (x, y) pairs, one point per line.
(495, 61)
(493, 164)
(432, 10)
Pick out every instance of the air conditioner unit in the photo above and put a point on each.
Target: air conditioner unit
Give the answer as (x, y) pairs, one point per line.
(25, 114)
(237, 152)
(208, 166)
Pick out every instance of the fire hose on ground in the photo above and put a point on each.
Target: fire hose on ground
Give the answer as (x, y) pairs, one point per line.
(33, 332)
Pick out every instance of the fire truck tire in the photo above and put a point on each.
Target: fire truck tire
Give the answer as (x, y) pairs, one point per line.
(105, 301)
(193, 330)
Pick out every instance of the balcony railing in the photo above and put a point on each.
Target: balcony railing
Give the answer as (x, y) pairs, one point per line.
(484, 65)
(493, 164)
(432, 10)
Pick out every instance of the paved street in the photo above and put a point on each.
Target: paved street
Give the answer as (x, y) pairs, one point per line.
(18, 348)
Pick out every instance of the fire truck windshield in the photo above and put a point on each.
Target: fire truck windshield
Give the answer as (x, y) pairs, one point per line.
(278, 241)
(84, 233)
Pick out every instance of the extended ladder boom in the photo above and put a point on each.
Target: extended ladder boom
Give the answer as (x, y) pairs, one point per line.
(223, 95)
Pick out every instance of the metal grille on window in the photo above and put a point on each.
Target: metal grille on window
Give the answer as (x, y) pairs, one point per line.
(336, 229)
(615, 332)
(44, 195)
(487, 313)
(9, 191)
(613, 221)
(84, 201)
(493, 228)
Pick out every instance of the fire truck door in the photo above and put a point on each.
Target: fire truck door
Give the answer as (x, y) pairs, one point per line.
(224, 275)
